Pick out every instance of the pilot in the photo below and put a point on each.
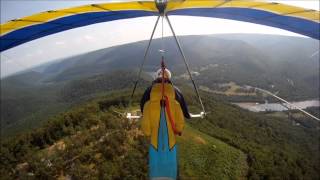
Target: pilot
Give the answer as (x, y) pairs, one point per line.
(163, 95)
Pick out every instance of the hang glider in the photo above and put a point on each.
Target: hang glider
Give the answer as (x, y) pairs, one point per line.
(295, 19)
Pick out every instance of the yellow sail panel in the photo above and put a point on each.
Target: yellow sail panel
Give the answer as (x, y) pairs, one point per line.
(144, 6)
(174, 5)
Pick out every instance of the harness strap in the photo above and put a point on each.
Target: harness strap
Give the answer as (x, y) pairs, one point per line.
(173, 125)
(165, 99)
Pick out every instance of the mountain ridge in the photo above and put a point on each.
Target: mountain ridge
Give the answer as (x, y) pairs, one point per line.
(218, 60)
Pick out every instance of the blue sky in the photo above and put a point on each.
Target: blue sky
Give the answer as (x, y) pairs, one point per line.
(102, 35)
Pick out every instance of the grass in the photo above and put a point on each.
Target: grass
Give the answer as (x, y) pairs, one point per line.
(202, 157)
(233, 89)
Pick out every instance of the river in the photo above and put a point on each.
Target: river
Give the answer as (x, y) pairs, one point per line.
(256, 107)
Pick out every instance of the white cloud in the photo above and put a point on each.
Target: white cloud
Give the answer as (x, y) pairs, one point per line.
(60, 43)
(7, 61)
(89, 38)
(39, 52)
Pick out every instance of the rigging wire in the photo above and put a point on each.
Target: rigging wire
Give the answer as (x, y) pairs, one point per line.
(185, 62)
(162, 52)
(292, 105)
(142, 63)
(162, 43)
(162, 59)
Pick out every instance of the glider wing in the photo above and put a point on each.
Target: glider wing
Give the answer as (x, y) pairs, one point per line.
(19, 31)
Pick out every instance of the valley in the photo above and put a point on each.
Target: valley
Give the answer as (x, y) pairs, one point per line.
(61, 119)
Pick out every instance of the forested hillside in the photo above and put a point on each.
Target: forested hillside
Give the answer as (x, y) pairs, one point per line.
(28, 106)
(63, 120)
(93, 141)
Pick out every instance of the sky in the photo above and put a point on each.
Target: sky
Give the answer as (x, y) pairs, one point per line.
(103, 35)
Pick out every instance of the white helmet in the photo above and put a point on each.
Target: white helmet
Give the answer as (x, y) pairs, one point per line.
(158, 74)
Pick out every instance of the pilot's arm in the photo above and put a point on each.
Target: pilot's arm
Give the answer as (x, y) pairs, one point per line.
(145, 98)
(183, 105)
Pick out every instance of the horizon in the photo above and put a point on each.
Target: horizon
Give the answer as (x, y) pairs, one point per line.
(138, 41)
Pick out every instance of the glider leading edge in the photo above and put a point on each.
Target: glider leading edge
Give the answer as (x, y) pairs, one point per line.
(295, 19)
